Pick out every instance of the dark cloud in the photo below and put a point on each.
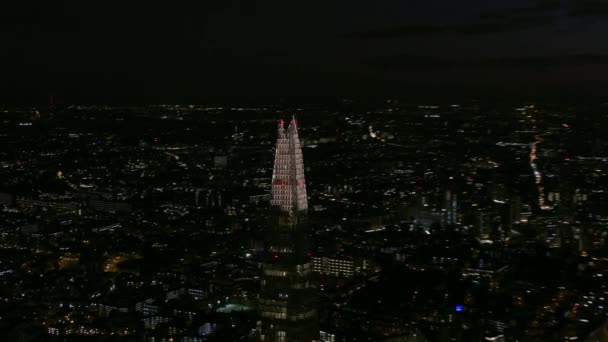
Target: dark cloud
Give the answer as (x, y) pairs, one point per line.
(526, 63)
(546, 62)
(485, 26)
(542, 7)
(583, 8)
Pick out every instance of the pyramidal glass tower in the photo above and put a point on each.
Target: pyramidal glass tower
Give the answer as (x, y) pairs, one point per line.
(286, 301)
(288, 184)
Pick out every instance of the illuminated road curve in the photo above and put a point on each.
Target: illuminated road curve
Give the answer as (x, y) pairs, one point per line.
(538, 177)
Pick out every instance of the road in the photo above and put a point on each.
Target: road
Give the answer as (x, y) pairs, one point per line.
(538, 176)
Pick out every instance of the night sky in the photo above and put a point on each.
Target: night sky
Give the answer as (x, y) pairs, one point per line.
(165, 51)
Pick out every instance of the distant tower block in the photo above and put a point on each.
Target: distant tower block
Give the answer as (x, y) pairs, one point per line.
(450, 206)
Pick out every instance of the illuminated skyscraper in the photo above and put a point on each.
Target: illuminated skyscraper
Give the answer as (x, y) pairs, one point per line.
(286, 301)
(288, 184)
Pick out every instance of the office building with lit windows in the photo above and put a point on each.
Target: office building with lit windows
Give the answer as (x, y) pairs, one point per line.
(339, 267)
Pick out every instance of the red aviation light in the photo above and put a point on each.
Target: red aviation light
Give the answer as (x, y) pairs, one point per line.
(276, 256)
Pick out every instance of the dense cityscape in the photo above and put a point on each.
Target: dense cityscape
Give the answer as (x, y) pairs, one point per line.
(384, 221)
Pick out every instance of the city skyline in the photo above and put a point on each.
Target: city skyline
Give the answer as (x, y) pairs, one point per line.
(432, 223)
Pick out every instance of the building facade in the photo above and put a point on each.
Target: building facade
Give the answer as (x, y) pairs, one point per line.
(339, 267)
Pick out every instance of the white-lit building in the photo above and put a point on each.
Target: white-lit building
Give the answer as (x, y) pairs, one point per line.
(338, 267)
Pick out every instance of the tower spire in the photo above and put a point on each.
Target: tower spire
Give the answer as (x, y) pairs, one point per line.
(288, 181)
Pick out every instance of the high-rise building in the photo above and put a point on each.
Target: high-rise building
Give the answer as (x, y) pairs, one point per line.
(450, 208)
(286, 301)
(288, 183)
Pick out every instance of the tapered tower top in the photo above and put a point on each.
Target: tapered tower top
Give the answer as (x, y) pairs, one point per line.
(288, 182)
